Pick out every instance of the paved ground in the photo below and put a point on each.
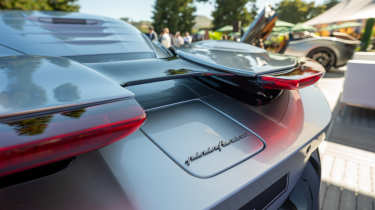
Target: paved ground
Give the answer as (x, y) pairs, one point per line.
(348, 154)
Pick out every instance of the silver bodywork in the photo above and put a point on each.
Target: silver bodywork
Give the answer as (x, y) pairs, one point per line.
(343, 49)
(255, 150)
(136, 174)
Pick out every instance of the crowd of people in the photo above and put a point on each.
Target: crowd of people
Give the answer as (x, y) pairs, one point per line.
(169, 40)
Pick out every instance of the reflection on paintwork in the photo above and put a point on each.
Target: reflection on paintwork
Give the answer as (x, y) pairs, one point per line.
(53, 126)
(31, 127)
(21, 90)
(282, 134)
(14, 20)
(37, 125)
(177, 71)
(66, 92)
(74, 114)
(122, 72)
(27, 83)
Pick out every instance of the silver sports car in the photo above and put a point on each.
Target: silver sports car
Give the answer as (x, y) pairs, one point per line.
(95, 116)
(328, 51)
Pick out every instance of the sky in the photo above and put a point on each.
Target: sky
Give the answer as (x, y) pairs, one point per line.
(142, 9)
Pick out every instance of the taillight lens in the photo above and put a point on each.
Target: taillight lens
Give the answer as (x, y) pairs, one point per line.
(308, 73)
(32, 142)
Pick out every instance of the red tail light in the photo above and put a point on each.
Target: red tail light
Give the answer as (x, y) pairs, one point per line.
(307, 74)
(31, 142)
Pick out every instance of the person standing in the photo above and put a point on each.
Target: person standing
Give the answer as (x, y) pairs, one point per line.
(152, 34)
(206, 35)
(166, 39)
(187, 38)
(178, 40)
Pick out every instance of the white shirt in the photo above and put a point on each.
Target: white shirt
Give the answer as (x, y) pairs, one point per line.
(180, 41)
(166, 40)
(188, 39)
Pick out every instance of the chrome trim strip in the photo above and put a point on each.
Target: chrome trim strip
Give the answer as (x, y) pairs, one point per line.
(172, 104)
(172, 77)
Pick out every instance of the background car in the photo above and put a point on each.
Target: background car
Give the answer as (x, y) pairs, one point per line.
(96, 116)
(328, 51)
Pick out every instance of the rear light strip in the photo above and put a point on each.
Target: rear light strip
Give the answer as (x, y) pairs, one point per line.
(32, 142)
(308, 73)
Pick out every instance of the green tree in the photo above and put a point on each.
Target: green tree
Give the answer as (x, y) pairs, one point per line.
(24, 5)
(330, 3)
(177, 15)
(64, 5)
(234, 13)
(52, 5)
(296, 11)
(366, 36)
(315, 10)
(254, 10)
(125, 19)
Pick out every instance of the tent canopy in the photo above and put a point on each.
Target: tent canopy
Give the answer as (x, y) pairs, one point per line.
(302, 27)
(280, 23)
(346, 10)
(343, 25)
(227, 28)
(279, 26)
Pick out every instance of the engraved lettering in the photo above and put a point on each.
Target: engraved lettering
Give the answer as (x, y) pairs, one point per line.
(222, 144)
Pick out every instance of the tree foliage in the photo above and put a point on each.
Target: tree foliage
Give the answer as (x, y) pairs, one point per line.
(331, 3)
(64, 5)
(296, 11)
(142, 25)
(366, 36)
(234, 13)
(125, 19)
(177, 15)
(49, 5)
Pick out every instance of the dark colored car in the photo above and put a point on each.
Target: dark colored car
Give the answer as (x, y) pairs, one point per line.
(93, 115)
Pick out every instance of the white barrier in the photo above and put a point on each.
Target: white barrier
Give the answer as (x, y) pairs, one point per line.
(367, 56)
(359, 85)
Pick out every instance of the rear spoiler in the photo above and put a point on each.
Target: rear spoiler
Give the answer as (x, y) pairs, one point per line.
(306, 72)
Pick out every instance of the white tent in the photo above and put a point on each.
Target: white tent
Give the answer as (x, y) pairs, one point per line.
(347, 10)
